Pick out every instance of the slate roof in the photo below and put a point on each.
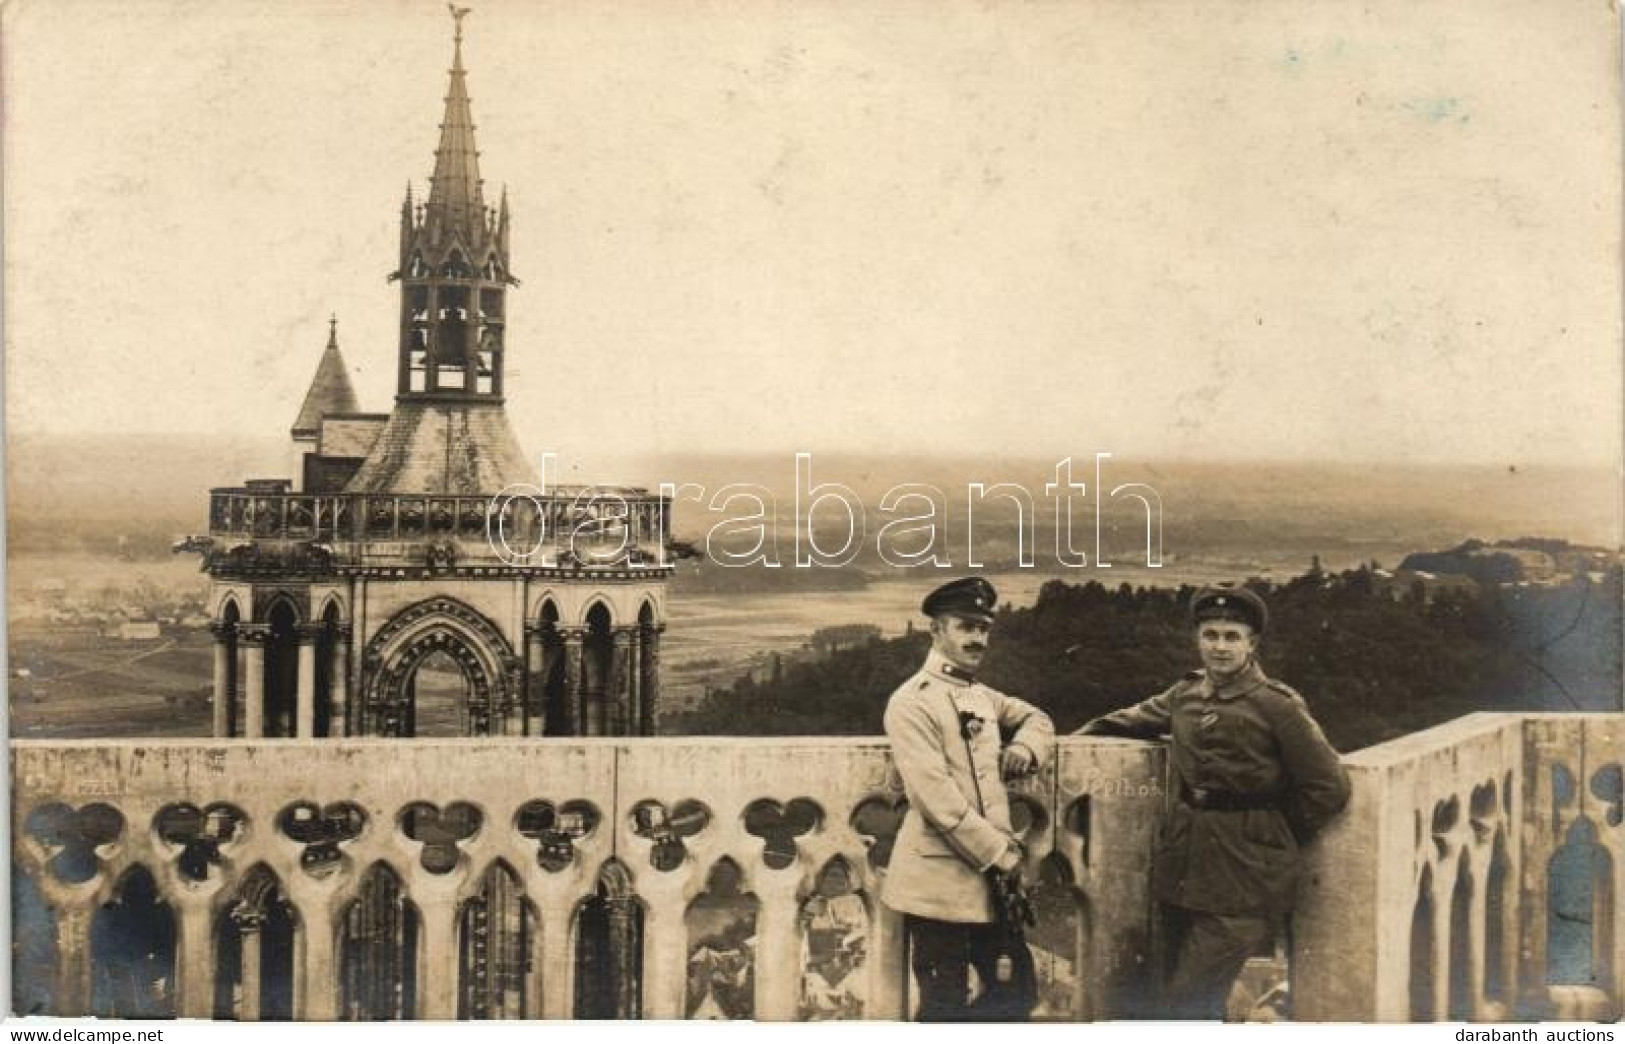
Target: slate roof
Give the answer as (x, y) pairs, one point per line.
(464, 449)
(330, 390)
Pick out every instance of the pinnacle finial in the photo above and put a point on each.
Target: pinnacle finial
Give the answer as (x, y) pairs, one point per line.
(454, 187)
(457, 16)
(333, 330)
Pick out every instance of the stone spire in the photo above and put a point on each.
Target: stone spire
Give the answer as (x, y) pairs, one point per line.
(448, 433)
(456, 201)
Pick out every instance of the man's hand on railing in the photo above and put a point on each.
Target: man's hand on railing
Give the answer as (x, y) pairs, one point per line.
(1017, 761)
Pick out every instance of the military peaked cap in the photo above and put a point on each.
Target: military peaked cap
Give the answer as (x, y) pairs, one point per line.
(1230, 603)
(971, 596)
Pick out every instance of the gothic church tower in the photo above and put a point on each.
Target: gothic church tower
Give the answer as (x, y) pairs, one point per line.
(395, 585)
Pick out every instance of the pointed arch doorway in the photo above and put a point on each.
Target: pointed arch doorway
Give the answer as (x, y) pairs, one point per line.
(439, 668)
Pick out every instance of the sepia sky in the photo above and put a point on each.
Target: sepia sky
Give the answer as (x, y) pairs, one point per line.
(1215, 229)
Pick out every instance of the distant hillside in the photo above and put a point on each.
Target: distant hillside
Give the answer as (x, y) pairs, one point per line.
(1508, 561)
(82, 492)
(1372, 666)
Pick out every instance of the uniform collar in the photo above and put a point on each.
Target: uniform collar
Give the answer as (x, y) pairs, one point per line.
(938, 666)
(1246, 680)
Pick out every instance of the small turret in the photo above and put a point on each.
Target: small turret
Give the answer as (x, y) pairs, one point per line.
(330, 392)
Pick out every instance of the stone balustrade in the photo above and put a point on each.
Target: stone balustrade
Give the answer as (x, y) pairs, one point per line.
(306, 532)
(1466, 851)
(1476, 874)
(649, 822)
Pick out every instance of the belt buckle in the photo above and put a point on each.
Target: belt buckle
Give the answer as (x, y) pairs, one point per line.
(1199, 796)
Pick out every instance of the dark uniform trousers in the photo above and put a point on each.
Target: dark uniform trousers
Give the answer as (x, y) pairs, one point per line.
(1208, 952)
(942, 954)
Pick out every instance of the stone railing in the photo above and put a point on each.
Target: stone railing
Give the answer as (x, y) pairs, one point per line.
(789, 838)
(1476, 874)
(567, 528)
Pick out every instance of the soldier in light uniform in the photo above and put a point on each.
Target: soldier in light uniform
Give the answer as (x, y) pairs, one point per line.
(954, 742)
(1252, 780)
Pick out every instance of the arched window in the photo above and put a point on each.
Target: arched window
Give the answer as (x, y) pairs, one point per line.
(722, 947)
(1580, 910)
(1422, 951)
(254, 936)
(230, 717)
(596, 654)
(132, 946)
(609, 949)
(835, 946)
(1057, 943)
(1462, 957)
(33, 948)
(496, 931)
(282, 670)
(1497, 901)
(378, 951)
(555, 697)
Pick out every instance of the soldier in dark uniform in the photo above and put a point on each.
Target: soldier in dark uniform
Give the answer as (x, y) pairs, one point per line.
(1252, 780)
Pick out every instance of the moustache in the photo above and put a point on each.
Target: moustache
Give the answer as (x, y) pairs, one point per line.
(975, 648)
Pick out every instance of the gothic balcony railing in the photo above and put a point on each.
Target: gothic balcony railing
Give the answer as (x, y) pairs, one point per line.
(264, 531)
(1476, 874)
(740, 877)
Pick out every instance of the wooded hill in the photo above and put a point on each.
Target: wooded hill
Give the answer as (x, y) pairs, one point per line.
(1373, 662)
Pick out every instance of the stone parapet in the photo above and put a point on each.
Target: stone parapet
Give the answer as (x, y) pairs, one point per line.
(1475, 874)
(319, 818)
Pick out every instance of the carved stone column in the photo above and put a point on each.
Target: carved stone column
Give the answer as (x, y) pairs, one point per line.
(224, 668)
(194, 959)
(623, 911)
(634, 679)
(367, 713)
(72, 990)
(305, 697)
(888, 979)
(1476, 1002)
(338, 689)
(575, 680)
(437, 986)
(665, 956)
(512, 711)
(1441, 947)
(650, 696)
(254, 637)
(318, 985)
(778, 945)
(535, 693)
(249, 923)
(618, 693)
(557, 908)
(356, 714)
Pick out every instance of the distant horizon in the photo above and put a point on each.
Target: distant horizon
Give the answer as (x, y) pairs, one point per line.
(788, 452)
(164, 478)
